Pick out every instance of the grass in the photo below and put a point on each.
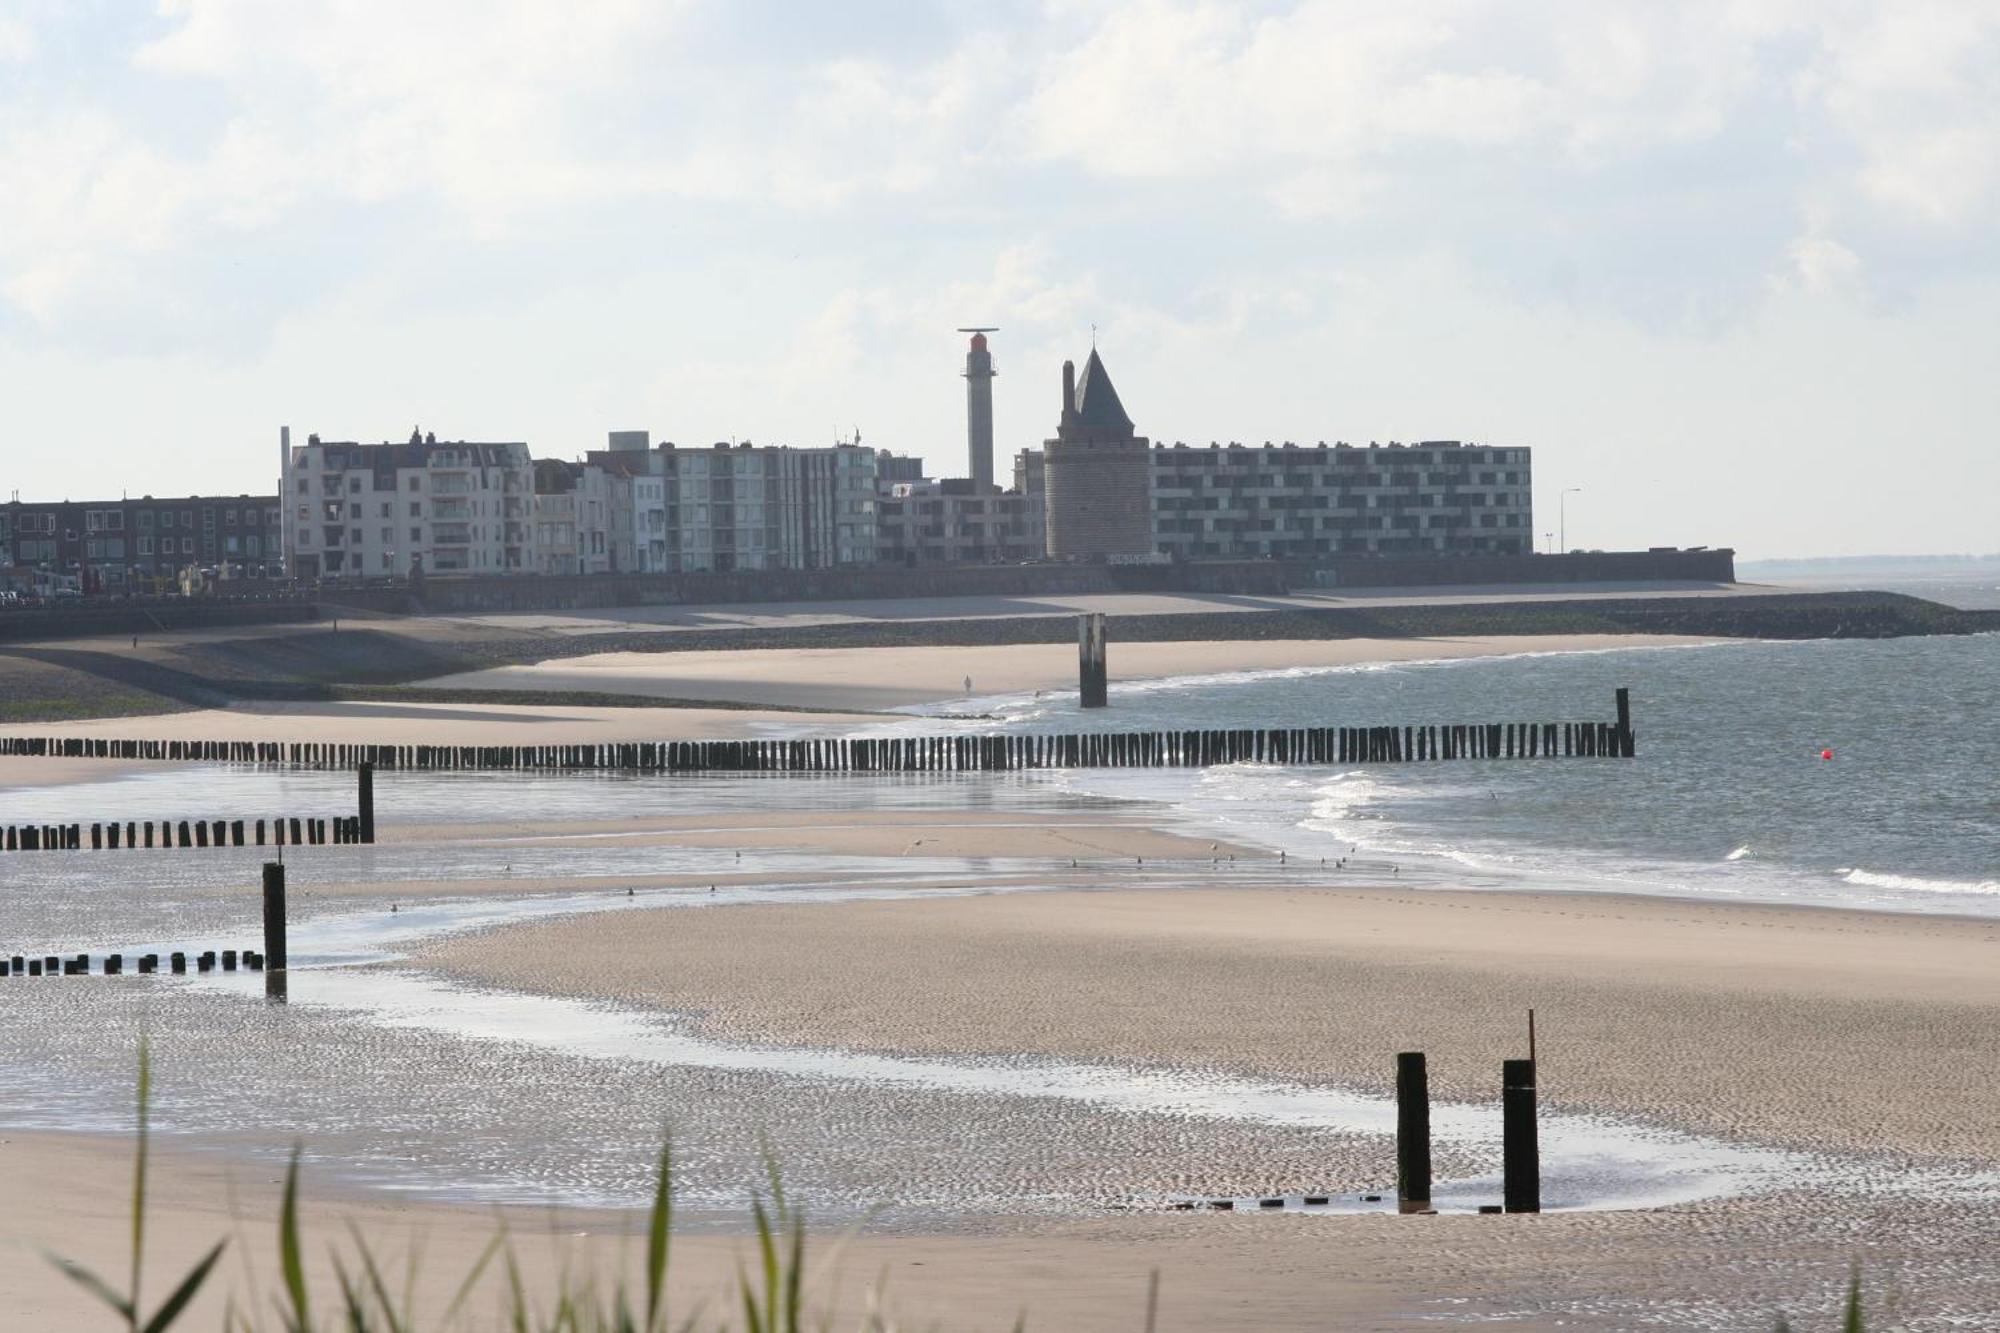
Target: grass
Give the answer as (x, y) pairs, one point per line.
(770, 1294)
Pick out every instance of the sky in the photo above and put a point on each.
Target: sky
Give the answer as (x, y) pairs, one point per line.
(1731, 270)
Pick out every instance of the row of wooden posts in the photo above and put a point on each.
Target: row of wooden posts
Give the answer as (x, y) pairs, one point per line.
(335, 830)
(912, 754)
(78, 965)
(271, 959)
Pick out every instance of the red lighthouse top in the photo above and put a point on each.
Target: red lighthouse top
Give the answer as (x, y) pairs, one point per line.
(978, 342)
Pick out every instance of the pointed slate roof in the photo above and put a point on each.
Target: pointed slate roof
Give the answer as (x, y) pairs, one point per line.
(1098, 410)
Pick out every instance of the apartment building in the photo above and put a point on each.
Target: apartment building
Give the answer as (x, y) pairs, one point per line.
(740, 506)
(953, 521)
(373, 510)
(129, 545)
(1440, 497)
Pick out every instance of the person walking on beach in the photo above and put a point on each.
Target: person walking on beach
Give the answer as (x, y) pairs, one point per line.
(968, 687)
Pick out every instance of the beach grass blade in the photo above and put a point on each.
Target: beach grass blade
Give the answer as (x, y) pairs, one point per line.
(139, 1178)
(658, 1233)
(164, 1317)
(290, 1260)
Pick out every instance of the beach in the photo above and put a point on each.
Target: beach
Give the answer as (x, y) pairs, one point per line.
(1000, 1026)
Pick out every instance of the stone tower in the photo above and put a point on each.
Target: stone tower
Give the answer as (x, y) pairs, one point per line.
(1098, 473)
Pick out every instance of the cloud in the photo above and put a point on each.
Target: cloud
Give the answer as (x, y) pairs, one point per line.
(1658, 162)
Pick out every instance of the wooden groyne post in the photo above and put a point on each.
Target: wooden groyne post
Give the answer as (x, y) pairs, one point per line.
(366, 779)
(1093, 680)
(1413, 1134)
(1626, 749)
(1521, 1152)
(274, 916)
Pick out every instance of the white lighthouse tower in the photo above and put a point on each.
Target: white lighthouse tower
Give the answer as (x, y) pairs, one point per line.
(979, 374)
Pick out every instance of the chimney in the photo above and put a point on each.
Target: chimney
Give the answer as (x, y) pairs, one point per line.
(1069, 392)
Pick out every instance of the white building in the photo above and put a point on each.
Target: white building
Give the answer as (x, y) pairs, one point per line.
(738, 507)
(371, 510)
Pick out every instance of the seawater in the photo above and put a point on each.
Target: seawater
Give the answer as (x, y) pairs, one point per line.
(1729, 796)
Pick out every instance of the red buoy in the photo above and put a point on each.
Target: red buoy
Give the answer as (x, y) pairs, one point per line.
(1826, 754)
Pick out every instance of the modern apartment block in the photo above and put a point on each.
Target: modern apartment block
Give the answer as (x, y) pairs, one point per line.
(741, 506)
(954, 521)
(373, 510)
(1439, 497)
(139, 545)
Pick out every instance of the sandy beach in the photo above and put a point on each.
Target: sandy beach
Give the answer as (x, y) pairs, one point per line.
(1003, 929)
(1795, 1025)
(855, 678)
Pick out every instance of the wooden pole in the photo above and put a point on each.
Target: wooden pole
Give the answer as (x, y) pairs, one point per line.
(367, 780)
(274, 916)
(1521, 1170)
(1413, 1134)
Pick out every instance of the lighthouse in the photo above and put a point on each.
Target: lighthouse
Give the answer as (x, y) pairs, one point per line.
(979, 374)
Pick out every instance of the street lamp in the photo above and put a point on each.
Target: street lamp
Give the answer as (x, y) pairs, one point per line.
(1562, 515)
(1550, 538)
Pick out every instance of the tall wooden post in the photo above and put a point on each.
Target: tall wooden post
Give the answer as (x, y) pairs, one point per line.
(1093, 680)
(1521, 1153)
(274, 916)
(367, 780)
(1413, 1134)
(1625, 747)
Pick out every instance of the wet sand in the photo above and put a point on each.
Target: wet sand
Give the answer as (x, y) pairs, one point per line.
(891, 677)
(1805, 1027)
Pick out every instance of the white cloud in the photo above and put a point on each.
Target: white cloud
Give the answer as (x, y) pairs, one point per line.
(17, 42)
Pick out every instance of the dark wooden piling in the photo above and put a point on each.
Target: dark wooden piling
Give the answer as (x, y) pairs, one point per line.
(365, 777)
(1521, 1154)
(1413, 1133)
(274, 916)
(1093, 679)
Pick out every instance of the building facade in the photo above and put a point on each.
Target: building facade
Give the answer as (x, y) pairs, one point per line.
(954, 521)
(1096, 474)
(142, 545)
(380, 510)
(741, 506)
(1439, 497)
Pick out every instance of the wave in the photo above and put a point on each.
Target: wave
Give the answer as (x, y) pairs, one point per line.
(1870, 879)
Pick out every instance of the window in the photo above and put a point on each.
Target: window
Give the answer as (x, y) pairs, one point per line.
(251, 545)
(385, 510)
(354, 485)
(302, 485)
(187, 519)
(145, 546)
(416, 536)
(357, 536)
(416, 509)
(187, 546)
(388, 536)
(414, 482)
(354, 511)
(229, 517)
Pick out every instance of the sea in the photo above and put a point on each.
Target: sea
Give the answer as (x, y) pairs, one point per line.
(1851, 773)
